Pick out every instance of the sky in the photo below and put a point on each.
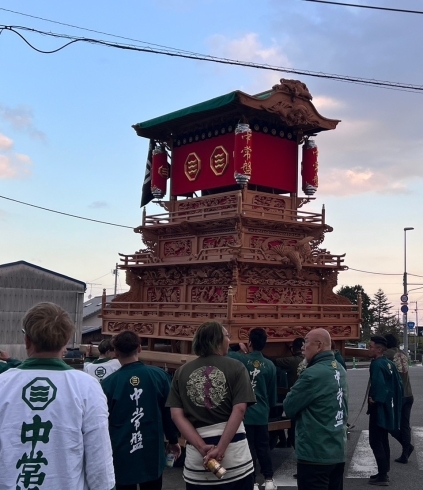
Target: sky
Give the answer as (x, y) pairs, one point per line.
(66, 141)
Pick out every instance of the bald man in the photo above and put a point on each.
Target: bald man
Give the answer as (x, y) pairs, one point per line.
(318, 404)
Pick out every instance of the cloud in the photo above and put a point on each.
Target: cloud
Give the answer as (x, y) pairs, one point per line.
(98, 204)
(367, 156)
(347, 182)
(5, 143)
(324, 102)
(249, 48)
(21, 119)
(17, 166)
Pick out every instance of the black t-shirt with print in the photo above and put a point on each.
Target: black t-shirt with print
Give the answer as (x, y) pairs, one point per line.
(208, 387)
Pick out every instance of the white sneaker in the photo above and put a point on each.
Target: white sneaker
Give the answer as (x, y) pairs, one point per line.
(256, 486)
(270, 485)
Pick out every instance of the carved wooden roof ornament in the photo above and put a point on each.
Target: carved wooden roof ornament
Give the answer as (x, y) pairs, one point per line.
(289, 103)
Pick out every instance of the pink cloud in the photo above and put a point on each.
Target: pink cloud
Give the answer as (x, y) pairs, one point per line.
(5, 143)
(17, 166)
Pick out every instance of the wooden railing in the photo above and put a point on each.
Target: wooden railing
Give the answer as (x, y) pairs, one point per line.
(224, 253)
(296, 215)
(202, 210)
(304, 313)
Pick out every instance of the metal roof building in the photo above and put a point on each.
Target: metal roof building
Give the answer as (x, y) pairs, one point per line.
(23, 285)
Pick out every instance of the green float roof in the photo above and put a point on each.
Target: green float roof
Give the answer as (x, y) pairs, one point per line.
(235, 104)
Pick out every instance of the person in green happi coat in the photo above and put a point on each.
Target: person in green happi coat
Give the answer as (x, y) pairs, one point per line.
(7, 361)
(262, 374)
(138, 419)
(384, 409)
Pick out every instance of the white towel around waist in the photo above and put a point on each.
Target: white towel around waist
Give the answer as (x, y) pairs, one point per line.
(237, 461)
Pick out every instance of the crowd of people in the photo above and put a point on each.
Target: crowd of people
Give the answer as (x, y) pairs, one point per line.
(105, 428)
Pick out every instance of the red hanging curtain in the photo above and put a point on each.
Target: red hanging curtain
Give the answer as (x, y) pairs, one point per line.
(159, 172)
(309, 167)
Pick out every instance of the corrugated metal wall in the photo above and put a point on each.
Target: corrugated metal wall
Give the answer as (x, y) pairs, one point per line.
(23, 286)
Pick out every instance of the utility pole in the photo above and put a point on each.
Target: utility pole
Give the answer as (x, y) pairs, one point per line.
(404, 318)
(416, 331)
(115, 272)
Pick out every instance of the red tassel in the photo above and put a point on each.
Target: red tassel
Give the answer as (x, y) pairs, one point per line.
(159, 172)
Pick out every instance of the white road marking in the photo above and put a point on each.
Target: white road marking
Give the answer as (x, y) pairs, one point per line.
(363, 463)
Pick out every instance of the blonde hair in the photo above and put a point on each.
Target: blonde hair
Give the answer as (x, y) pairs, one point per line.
(48, 326)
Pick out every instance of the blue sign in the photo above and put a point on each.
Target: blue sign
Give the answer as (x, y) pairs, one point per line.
(411, 325)
(404, 308)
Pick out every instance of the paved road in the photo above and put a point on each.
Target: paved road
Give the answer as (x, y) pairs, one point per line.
(360, 462)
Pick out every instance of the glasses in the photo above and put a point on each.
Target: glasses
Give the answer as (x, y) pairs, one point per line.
(228, 335)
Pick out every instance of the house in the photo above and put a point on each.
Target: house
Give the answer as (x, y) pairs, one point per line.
(23, 285)
(91, 323)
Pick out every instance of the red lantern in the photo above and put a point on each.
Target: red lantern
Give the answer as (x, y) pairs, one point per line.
(243, 153)
(309, 168)
(159, 172)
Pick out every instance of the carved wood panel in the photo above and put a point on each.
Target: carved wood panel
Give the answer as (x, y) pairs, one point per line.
(177, 248)
(163, 276)
(211, 204)
(297, 331)
(278, 295)
(219, 241)
(164, 295)
(268, 203)
(178, 330)
(139, 328)
(276, 276)
(209, 294)
(209, 275)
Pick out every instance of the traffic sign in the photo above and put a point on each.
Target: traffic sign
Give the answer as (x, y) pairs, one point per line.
(404, 298)
(404, 308)
(411, 325)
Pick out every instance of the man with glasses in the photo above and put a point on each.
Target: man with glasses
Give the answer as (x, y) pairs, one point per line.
(318, 403)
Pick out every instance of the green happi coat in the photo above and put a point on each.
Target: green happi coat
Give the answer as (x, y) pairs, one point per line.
(386, 391)
(138, 420)
(262, 374)
(10, 363)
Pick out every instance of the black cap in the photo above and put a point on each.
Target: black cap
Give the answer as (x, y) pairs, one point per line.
(378, 339)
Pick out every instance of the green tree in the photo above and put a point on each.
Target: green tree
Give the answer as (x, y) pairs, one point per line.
(367, 314)
(384, 320)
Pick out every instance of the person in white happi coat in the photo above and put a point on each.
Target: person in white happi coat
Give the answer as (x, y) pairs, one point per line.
(53, 419)
(105, 364)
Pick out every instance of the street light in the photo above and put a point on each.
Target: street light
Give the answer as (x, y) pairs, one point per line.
(405, 290)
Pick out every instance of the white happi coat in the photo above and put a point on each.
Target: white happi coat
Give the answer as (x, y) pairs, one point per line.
(53, 429)
(101, 368)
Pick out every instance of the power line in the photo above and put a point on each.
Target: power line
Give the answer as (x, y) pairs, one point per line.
(366, 6)
(65, 214)
(382, 273)
(95, 31)
(406, 87)
(378, 273)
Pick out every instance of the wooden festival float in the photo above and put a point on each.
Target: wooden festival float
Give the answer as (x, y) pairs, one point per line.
(233, 242)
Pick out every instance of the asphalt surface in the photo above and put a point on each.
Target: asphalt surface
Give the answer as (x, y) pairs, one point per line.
(359, 459)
